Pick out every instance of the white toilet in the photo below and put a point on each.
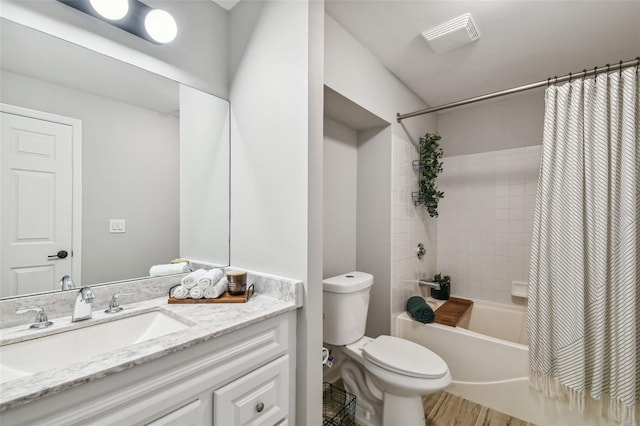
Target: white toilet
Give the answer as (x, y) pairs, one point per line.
(387, 374)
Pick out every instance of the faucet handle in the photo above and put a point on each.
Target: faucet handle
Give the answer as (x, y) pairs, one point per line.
(41, 320)
(87, 294)
(114, 304)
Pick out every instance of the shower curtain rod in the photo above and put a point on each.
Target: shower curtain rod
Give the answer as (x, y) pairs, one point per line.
(583, 74)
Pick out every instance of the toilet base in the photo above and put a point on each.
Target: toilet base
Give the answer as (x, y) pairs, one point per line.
(403, 410)
(365, 418)
(368, 405)
(376, 407)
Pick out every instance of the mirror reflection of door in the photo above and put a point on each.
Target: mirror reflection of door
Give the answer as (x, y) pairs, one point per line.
(36, 211)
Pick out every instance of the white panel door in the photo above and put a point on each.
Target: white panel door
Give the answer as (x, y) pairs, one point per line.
(35, 204)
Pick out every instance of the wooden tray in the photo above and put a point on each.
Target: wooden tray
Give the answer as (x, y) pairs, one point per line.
(225, 298)
(452, 311)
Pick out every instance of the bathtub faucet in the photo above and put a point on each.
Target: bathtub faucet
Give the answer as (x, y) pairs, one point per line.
(423, 283)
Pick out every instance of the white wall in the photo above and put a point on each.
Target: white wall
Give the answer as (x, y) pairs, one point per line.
(509, 122)
(309, 404)
(269, 150)
(486, 221)
(373, 236)
(204, 177)
(277, 212)
(357, 210)
(197, 57)
(340, 198)
(491, 166)
(129, 171)
(411, 225)
(352, 71)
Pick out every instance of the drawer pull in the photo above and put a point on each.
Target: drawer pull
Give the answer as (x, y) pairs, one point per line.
(260, 407)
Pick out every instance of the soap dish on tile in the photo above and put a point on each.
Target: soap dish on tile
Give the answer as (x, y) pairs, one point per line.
(519, 289)
(225, 298)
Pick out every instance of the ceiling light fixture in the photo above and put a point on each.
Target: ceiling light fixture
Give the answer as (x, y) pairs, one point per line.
(161, 26)
(154, 25)
(111, 9)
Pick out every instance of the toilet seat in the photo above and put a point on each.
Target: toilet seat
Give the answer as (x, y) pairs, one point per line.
(404, 357)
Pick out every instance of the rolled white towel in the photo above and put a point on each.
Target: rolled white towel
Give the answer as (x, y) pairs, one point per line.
(210, 278)
(196, 293)
(180, 292)
(190, 281)
(168, 269)
(216, 290)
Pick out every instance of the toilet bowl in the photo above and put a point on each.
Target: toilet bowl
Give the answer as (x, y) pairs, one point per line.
(387, 374)
(394, 376)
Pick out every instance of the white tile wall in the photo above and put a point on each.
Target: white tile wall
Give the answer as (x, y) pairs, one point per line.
(485, 221)
(410, 226)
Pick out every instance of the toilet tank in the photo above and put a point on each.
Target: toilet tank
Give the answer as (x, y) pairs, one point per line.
(344, 309)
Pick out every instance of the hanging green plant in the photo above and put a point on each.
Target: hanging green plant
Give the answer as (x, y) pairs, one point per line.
(429, 166)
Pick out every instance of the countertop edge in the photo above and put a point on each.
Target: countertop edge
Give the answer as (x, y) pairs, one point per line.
(280, 307)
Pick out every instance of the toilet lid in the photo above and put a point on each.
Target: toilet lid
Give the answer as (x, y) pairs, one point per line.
(404, 357)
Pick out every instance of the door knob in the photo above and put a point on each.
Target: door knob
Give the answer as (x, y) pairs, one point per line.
(60, 255)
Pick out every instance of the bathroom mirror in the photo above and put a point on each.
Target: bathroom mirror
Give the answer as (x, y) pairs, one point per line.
(153, 157)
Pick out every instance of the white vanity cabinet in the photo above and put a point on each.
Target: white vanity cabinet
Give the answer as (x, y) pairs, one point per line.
(259, 398)
(244, 377)
(189, 414)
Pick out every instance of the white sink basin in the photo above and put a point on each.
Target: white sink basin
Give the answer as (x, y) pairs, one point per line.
(58, 350)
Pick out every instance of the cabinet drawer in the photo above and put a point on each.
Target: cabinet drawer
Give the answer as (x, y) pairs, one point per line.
(259, 398)
(189, 414)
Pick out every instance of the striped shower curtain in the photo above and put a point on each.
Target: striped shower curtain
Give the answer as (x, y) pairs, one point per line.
(584, 289)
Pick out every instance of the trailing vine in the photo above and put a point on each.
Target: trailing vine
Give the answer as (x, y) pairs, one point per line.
(429, 167)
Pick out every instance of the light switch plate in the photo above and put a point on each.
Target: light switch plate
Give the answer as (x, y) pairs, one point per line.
(116, 226)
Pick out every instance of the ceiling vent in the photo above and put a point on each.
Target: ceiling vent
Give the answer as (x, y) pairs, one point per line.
(454, 33)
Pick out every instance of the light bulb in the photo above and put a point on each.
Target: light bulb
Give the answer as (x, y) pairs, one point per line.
(161, 26)
(113, 10)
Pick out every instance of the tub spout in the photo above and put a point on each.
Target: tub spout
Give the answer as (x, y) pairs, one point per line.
(435, 286)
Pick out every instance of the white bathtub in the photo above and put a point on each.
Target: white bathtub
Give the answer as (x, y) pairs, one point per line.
(490, 365)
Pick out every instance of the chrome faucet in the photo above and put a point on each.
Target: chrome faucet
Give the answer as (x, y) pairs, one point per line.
(66, 283)
(423, 283)
(82, 307)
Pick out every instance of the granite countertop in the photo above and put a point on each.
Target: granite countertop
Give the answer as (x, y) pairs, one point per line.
(207, 321)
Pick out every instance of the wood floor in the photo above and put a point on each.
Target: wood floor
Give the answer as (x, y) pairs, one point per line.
(444, 409)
